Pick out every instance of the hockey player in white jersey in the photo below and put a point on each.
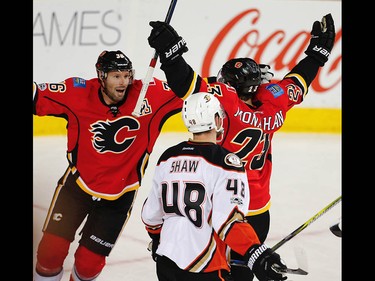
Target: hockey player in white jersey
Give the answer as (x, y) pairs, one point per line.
(197, 205)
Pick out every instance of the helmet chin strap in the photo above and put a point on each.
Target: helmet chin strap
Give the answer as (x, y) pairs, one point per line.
(102, 77)
(112, 107)
(104, 92)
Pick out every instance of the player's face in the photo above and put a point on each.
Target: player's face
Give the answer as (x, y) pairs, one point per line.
(115, 86)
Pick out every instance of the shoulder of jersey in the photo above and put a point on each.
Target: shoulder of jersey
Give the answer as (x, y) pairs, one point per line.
(232, 159)
(274, 88)
(215, 154)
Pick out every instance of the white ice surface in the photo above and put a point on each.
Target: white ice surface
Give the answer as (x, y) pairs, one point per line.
(306, 177)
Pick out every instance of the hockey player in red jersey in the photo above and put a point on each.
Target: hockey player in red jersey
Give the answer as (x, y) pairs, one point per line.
(254, 111)
(107, 151)
(197, 205)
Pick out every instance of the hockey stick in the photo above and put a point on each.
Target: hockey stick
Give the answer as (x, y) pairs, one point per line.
(298, 270)
(306, 224)
(301, 262)
(146, 81)
(336, 228)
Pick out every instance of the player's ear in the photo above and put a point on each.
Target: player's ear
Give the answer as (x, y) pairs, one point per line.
(219, 122)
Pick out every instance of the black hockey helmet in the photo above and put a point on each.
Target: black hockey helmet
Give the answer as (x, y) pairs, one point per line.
(113, 61)
(243, 74)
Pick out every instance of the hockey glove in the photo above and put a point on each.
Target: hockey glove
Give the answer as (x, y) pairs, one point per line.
(265, 264)
(166, 42)
(322, 39)
(153, 245)
(265, 74)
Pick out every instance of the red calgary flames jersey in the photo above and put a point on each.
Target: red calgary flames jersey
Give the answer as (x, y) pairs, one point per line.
(107, 148)
(248, 131)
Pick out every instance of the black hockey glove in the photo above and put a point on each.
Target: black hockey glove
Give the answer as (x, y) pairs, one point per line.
(153, 246)
(322, 39)
(265, 264)
(166, 41)
(265, 74)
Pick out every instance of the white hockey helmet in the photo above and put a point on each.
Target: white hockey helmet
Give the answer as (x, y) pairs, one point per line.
(199, 111)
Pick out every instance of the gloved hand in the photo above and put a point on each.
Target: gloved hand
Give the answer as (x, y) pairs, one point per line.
(153, 246)
(265, 74)
(322, 39)
(166, 41)
(263, 262)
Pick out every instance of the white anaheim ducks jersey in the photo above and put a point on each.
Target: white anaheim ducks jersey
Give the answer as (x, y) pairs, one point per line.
(198, 200)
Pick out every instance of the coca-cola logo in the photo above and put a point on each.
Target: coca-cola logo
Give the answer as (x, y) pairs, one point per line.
(280, 49)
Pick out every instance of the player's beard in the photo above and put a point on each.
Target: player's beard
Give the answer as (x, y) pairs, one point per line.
(115, 96)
